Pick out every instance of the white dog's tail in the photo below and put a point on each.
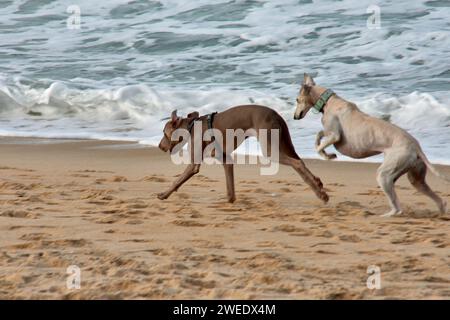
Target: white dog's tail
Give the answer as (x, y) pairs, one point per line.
(431, 167)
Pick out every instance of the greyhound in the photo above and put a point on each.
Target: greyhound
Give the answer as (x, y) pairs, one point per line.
(240, 117)
(358, 135)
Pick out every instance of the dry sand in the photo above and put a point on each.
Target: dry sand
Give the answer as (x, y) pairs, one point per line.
(93, 204)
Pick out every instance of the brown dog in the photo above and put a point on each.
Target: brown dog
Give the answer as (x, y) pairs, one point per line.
(237, 118)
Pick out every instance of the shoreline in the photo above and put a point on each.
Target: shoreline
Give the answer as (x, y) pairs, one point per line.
(134, 144)
(80, 203)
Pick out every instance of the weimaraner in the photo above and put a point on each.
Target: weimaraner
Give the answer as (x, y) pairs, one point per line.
(240, 117)
(358, 135)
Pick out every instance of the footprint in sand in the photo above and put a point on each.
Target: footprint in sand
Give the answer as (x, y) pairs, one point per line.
(266, 244)
(182, 195)
(91, 171)
(138, 205)
(106, 220)
(350, 238)
(16, 169)
(205, 179)
(154, 178)
(372, 192)
(133, 221)
(323, 244)
(248, 182)
(19, 186)
(325, 234)
(354, 204)
(80, 175)
(119, 179)
(187, 223)
(335, 184)
(269, 204)
(278, 181)
(200, 243)
(292, 230)
(325, 252)
(19, 214)
(53, 244)
(110, 211)
(229, 209)
(34, 236)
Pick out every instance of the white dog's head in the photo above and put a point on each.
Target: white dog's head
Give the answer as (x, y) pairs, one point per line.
(304, 99)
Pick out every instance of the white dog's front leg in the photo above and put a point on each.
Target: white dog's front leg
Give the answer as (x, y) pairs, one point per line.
(325, 139)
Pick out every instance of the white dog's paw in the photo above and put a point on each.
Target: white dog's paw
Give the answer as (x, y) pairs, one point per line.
(331, 156)
(325, 155)
(392, 213)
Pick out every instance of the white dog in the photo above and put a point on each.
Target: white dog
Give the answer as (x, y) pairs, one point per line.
(358, 135)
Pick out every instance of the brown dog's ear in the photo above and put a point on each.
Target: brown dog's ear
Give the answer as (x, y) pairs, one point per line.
(194, 115)
(308, 80)
(175, 119)
(174, 116)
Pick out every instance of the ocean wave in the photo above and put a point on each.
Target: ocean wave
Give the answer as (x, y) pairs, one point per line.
(131, 62)
(134, 112)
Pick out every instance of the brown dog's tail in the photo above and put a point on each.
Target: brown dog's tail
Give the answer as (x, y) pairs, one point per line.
(430, 166)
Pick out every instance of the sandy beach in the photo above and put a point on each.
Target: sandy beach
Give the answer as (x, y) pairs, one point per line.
(93, 204)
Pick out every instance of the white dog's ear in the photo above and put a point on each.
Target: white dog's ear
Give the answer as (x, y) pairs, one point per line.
(308, 80)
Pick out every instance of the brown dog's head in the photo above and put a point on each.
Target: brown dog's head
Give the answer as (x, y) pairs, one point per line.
(304, 99)
(175, 122)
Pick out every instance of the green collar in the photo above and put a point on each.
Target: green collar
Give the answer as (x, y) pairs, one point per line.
(322, 101)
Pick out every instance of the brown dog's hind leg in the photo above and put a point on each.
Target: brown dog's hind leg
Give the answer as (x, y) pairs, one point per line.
(191, 170)
(289, 157)
(417, 178)
(306, 175)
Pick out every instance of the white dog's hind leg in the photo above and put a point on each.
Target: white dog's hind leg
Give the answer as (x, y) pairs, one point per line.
(395, 164)
(325, 139)
(386, 183)
(417, 178)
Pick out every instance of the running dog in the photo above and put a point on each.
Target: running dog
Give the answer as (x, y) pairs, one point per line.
(243, 117)
(358, 135)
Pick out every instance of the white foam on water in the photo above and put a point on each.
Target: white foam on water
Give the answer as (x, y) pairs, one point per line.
(133, 113)
(132, 62)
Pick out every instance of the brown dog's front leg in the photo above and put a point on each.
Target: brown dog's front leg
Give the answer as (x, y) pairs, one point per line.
(191, 170)
(229, 174)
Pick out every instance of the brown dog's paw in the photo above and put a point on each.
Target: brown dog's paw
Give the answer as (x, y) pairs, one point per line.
(324, 197)
(162, 196)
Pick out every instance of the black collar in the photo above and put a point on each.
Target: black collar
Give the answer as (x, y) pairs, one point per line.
(209, 120)
(191, 124)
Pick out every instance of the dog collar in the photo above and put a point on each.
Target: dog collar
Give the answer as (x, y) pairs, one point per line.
(191, 124)
(322, 101)
(209, 120)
